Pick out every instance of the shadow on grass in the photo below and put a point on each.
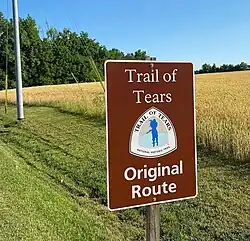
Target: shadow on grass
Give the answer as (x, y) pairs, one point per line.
(55, 170)
(95, 118)
(35, 157)
(4, 132)
(209, 158)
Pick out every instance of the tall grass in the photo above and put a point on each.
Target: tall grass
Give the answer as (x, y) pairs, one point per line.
(223, 113)
(87, 98)
(222, 108)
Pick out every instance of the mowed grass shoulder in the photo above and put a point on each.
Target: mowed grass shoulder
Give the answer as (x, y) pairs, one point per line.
(33, 207)
(222, 108)
(52, 183)
(53, 187)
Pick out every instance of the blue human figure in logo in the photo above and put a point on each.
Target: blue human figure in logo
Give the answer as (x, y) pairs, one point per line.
(153, 125)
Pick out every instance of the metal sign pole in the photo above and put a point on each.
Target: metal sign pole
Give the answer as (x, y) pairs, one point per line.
(19, 94)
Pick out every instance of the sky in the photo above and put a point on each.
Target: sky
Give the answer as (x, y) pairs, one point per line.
(200, 31)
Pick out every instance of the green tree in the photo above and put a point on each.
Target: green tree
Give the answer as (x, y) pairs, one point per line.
(224, 68)
(7, 49)
(243, 66)
(30, 51)
(214, 68)
(206, 68)
(140, 55)
(115, 54)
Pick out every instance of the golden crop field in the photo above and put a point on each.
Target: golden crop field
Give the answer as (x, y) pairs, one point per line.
(222, 108)
(223, 113)
(80, 98)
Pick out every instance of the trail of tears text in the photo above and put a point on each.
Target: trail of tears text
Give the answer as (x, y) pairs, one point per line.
(153, 77)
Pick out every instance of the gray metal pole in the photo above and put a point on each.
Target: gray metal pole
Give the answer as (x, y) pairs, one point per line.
(19, 94)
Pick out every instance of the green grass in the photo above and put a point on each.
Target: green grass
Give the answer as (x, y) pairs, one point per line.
(53, 187)
(34, 208)
(43, 191)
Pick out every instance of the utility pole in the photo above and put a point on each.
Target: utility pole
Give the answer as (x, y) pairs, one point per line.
(19, 94)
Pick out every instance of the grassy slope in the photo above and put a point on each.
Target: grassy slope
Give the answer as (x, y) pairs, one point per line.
(54, 185)
(34, 204)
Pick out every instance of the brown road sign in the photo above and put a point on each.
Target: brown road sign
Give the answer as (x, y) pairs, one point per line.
(151, 137)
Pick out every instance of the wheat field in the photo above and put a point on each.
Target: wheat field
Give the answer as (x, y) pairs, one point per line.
(222, 108)
(223, 113)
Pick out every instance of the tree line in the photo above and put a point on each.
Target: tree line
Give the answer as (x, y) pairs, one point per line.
(54, 57)
(61, 57)
(207, 68)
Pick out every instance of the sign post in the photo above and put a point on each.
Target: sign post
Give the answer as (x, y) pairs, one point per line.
(151, 137)
(153, 222)
(153, 213)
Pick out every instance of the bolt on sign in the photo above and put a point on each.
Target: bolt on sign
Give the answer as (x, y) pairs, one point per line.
(151, 136)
